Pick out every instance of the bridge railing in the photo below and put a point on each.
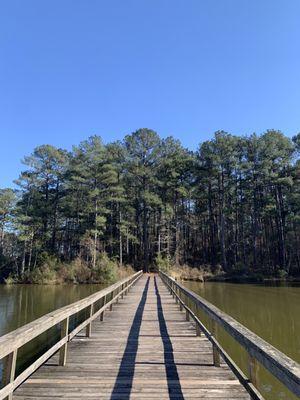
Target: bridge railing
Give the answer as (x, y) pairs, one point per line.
(90, 307)
(278, 364)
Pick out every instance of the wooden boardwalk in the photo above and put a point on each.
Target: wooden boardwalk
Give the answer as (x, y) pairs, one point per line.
(144, 349)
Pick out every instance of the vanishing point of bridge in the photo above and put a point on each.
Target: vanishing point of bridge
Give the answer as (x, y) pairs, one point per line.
(139, 339)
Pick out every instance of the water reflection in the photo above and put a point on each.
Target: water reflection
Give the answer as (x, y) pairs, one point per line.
(21, 304)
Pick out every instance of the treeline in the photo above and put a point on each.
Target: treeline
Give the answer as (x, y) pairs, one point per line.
(233, 204)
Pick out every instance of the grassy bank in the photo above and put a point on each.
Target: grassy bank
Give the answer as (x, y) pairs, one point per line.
(52, 272)
(185, 272)
(204, 273)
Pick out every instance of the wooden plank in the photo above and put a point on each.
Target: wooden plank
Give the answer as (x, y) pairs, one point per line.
(31, 330)
(277, 363)
(144, 349)
(24, 334)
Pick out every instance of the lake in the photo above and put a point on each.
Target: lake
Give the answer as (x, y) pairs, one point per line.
(20, 304)
(272, 312)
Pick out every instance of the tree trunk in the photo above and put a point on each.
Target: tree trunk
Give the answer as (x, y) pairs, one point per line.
(120, 240)
(145, 238)
(95, 235)
(222, 224)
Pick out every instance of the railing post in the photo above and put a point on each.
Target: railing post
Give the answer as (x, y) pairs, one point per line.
(253, 370)
(10, 370)
(176, 294)
(216, 353)
(102, 314)
(198, 330)
(122, 295)
(88, 328)
(111, 305)
(187, 315)
(180, 304)
(64, 330)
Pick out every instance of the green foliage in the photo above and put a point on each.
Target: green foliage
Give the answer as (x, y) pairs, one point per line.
(42, 275)
(234, 203)
(75, 272)
(282, 274)
(163, 264)
(11, 280)
(106, 270)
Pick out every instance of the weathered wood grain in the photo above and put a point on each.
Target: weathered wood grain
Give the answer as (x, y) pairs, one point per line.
(277, 363)
(20, 336)
(10, 343)
(143, 349)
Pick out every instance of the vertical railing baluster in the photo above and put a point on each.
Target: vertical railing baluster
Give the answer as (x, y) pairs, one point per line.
(180, 304)
(10, 371)
(111, 304)
(187, 314)
(102, 314)
(253, 370)
(216, 353)
(198, 330)
(88, 329)
(64, 331)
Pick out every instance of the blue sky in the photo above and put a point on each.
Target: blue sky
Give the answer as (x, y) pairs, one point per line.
(73, 68)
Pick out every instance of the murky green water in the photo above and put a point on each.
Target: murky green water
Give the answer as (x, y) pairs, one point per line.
(20, 304)
(272, 312)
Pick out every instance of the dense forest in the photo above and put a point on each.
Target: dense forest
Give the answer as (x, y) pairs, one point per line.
(233, 205)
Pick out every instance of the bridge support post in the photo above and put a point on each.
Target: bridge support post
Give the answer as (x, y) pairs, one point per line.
(102, 314)
(111, 304)
(64, 330)
(9, 371)
(253, 370)
(88, 329)
(180, 303)
(216, 353)
(187, 315)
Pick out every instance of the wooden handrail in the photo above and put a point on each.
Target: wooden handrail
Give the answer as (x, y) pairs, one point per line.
(11, 342)
(277, 363)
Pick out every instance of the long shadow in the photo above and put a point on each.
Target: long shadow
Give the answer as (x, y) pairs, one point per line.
(174, 387)
(126, 370)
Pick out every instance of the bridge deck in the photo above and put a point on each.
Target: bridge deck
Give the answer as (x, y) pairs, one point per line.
(144, 349)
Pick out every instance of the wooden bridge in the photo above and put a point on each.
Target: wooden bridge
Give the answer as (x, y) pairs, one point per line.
(139, 339)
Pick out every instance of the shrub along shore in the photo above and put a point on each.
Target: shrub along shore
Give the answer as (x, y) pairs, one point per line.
(79, 271)
(234, 203)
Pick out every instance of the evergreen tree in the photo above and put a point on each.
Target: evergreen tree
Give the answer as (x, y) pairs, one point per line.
(234, 203)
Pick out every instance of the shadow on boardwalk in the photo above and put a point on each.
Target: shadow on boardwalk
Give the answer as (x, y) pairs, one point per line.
(126, 370)
(174, 387)
(124, 381)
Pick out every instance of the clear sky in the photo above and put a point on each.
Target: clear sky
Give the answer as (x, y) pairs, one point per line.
(73, 68)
